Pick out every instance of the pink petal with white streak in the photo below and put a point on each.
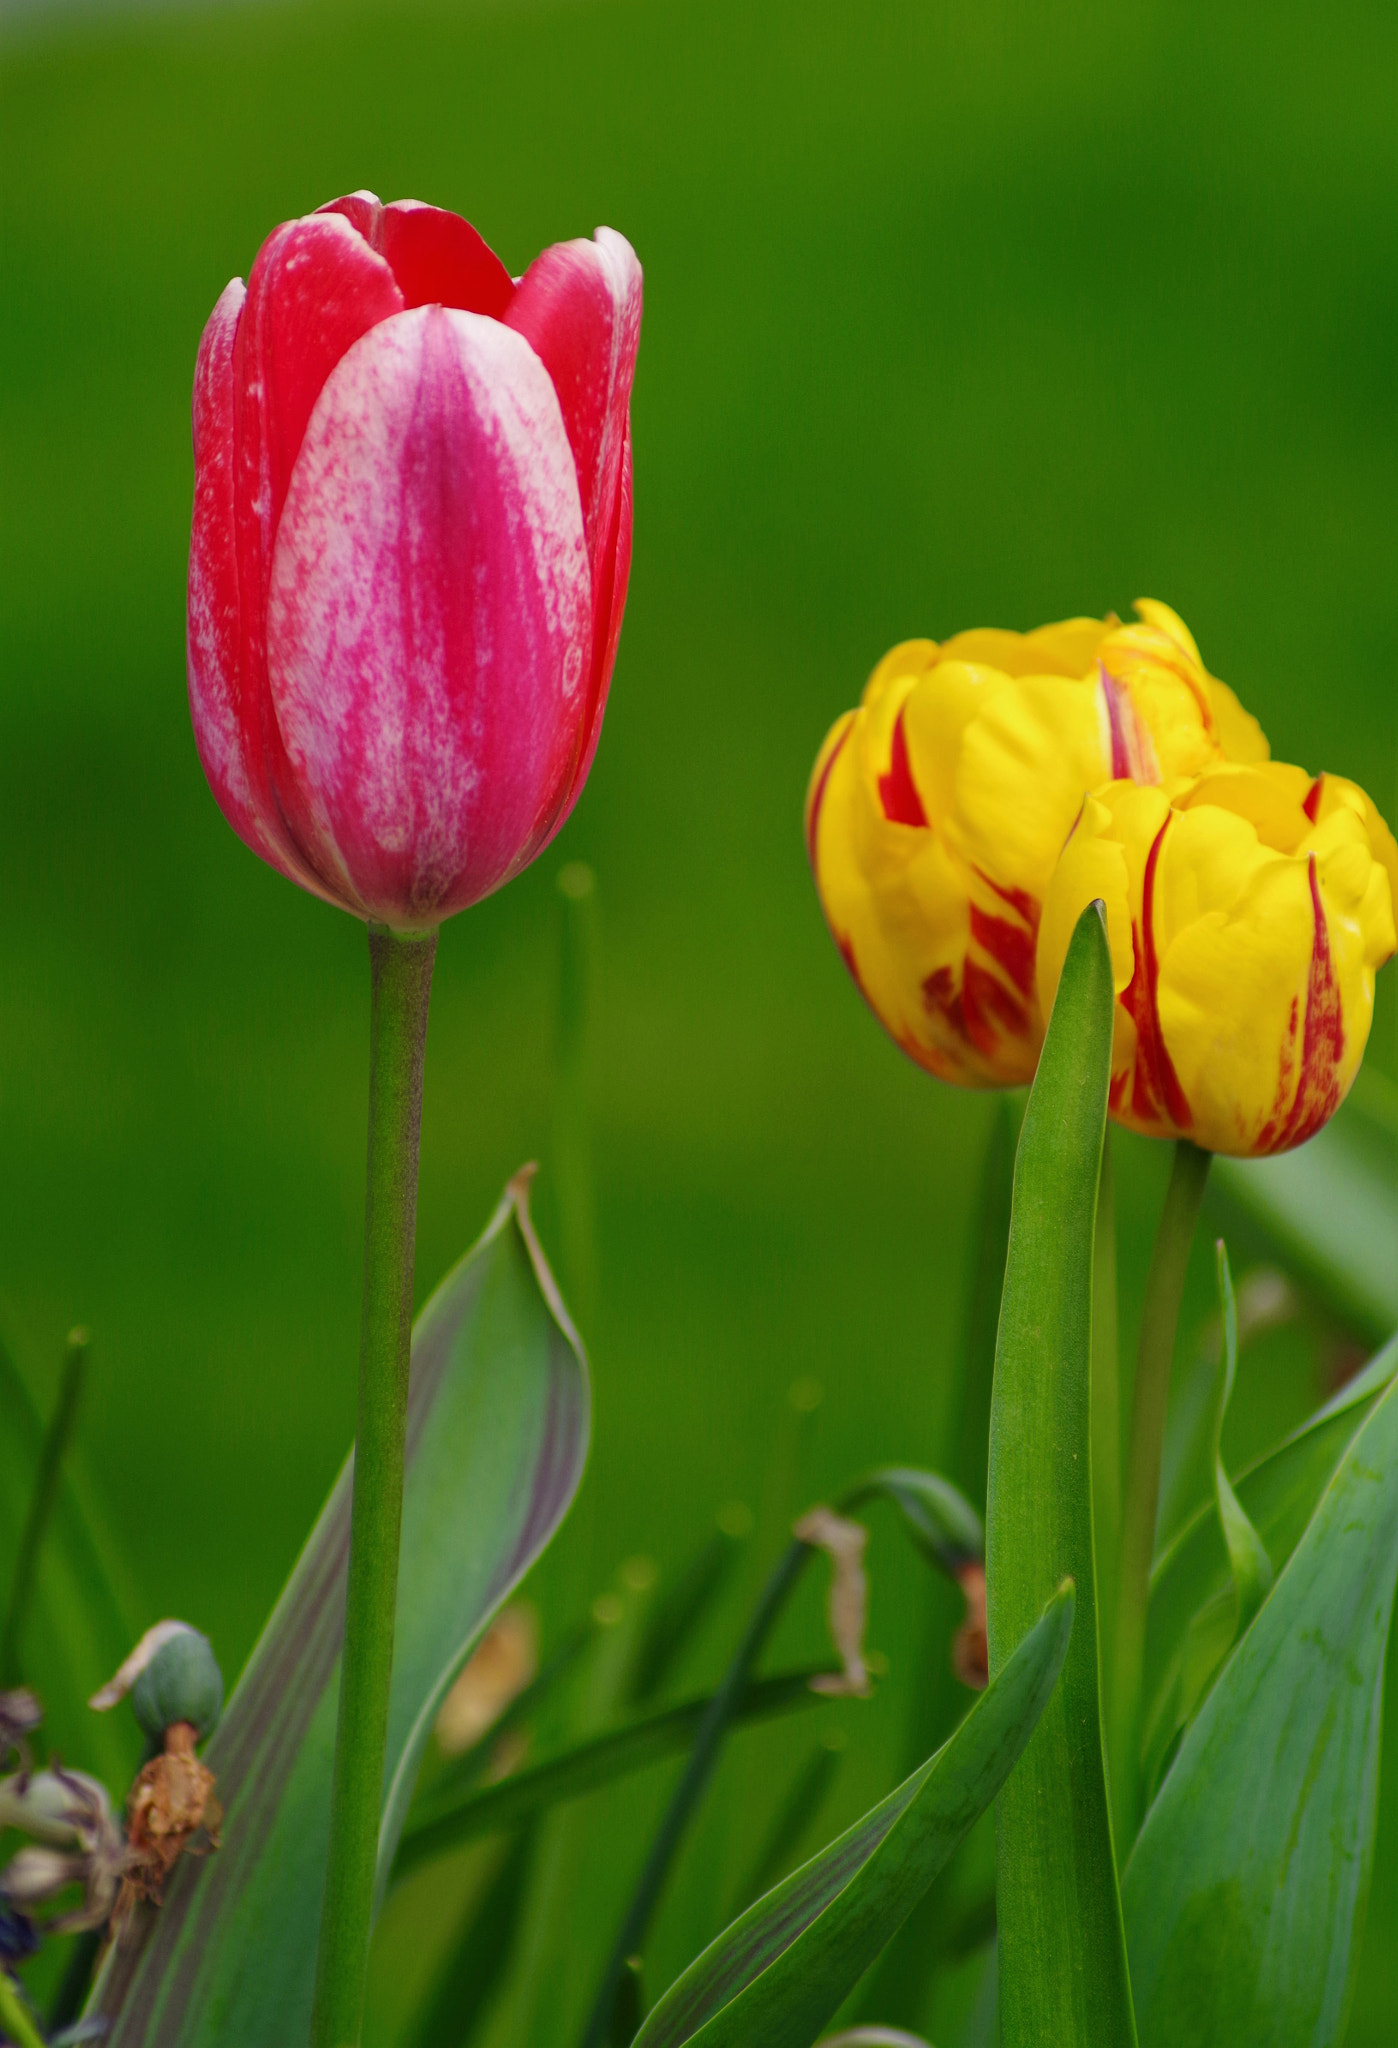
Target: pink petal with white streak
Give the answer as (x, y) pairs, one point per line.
(213, 619)
(429, 621)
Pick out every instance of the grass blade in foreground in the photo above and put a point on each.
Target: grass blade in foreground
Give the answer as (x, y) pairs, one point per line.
(779, 1973)
(1247, 1883)
(78, 1629)
(444, 1823)
(1062, 1953)
(497, 1432)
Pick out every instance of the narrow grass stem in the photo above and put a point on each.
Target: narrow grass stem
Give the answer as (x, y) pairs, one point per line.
(708, 1743)
(401, 969)
(1164, 1291)
(47, 1479)
(15, 2017)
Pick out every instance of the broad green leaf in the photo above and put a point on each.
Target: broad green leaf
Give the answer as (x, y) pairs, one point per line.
(497, 1433)
(1332, 1204)
(1062, 1955)
(780, 1973)
(1278, 1494)
(441, 1824)
(79, 1626)
(1245, 1889)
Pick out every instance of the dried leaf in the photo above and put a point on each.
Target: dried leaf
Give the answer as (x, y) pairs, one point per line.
(844, 1543)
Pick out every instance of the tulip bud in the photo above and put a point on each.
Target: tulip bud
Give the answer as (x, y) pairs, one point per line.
(410, 547)
(1247, 910)
(938, 809)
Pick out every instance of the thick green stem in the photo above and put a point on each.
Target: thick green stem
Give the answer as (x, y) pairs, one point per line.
(402, 981)
(41, 1504)
(1164, 1290)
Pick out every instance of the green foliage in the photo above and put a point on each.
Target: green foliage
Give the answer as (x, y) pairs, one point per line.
(1062, 1957)
(779, 1973)
(1246, 1887)
(497, 1430)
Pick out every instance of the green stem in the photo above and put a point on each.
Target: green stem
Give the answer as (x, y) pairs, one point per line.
(14, 2015)
(1164, 1290)
(57, 1438)
(402, 980)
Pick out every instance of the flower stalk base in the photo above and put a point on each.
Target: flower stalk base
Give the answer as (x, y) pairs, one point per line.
(402, 980)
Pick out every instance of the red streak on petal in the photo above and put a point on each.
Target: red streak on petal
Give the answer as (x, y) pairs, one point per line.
(1156, 1094)
(991, 1012)
(1311, 806)
(897, 791)
(1121, 759)
(818, 798)
(1322, 1044)
(1009, 945)
(1018, 899)
(1133, 755)
(941, 998)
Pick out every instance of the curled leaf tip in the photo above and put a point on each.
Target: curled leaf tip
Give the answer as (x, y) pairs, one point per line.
(122, 1680)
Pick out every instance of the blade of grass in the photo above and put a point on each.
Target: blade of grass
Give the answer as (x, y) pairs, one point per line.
(47, 1480)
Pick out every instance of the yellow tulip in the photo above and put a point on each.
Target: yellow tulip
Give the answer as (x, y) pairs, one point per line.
(938, 809)
(1247, 909)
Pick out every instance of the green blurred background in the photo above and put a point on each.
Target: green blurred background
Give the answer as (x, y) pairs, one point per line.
(954, 315)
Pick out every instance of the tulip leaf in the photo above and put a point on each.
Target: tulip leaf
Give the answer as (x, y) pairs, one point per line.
(1062, 1955)
(497, 1434)
(1191, 1585)
(443, 1822)
(1332, 1204)
(782, 1970)
(1246, 1886)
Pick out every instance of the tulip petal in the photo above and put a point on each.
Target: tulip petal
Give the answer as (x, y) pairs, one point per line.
(579, 307)
(213, 625)
(609, 603)
(429, 620)
(436, 257)
(314, 288)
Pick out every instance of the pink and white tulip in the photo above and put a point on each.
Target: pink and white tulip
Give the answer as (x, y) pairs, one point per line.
(411, 540)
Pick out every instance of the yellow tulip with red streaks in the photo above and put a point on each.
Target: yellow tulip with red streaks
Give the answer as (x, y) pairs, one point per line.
(938, 809)
(1248, 910)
